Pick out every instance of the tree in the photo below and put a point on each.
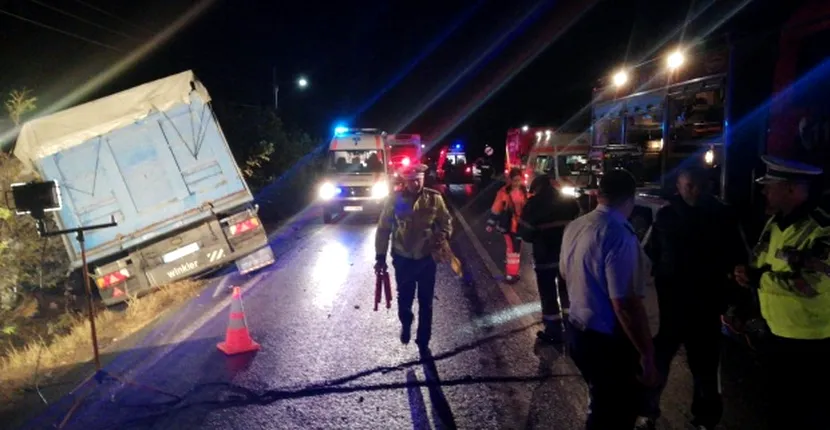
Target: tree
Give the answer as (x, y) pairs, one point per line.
(27, 261)
(279, 164)
(19, 103)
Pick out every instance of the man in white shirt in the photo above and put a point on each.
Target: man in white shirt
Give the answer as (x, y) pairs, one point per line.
(610, 334)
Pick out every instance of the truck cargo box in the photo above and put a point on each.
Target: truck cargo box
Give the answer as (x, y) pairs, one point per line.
(153, 156)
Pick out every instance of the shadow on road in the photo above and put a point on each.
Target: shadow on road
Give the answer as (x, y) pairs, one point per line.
(417, 406)
(442, 412)
(127, 404)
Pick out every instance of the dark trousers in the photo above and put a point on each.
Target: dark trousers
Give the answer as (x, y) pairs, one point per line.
(415, 277)
(610, 365)
(797, 382)
(551, 293)
(701, 336)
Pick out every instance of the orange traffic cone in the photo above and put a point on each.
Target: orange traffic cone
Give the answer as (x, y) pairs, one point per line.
(237, 338)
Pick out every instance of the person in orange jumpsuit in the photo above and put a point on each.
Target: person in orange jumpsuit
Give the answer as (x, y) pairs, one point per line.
(504, 217)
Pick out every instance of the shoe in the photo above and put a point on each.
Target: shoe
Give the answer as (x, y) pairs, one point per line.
(552, 333)
(644, 423)
(406, 334)
(510, 279)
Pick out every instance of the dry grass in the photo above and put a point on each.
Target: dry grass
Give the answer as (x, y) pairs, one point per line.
(55, 358)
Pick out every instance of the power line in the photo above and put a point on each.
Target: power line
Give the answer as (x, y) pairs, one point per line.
(83, 20)
(111, 15)
(64, 32)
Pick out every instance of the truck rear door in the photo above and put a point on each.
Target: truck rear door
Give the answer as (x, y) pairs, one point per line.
(154, 176)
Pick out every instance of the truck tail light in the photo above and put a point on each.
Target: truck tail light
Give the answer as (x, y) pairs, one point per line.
(244, 226)
(113, 278)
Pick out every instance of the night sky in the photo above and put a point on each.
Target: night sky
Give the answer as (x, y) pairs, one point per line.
(400, 66)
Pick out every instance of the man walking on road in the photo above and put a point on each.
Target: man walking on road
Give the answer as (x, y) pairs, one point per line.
(602, 265)
(419, 223)
(791, 270)
(695, 242)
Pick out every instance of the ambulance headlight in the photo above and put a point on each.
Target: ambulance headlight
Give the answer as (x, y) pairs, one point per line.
(569, 192)
(380, 190)
(327, 191)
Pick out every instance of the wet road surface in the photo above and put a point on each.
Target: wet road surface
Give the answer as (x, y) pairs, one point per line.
(329, 361)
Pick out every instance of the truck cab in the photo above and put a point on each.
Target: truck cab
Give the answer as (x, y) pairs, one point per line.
(357, 173)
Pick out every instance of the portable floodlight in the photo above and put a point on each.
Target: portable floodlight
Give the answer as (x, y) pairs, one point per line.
(36, 198)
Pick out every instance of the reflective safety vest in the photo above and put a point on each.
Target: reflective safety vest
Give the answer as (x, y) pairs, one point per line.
(795, 284)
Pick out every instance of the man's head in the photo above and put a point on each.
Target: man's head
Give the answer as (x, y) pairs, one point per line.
(617, 189)
(784, 196)
(541, 185)
(786, 184)
(692, 184)
(413, 177)
(515, 176)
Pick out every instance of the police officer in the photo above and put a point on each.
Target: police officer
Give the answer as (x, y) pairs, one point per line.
(419, 223)
(791, 270)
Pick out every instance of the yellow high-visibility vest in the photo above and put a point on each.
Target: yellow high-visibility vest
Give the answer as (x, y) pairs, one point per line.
(795, 301)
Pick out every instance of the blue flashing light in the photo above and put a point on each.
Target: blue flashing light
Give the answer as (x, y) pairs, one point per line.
(457, 146)
(340, 129)
(337, 191)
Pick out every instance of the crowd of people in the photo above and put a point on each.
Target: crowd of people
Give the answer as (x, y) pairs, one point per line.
(592, 271)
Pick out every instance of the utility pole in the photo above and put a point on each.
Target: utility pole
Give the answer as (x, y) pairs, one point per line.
(276, 88)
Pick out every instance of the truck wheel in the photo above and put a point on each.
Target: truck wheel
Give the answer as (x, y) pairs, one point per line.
(328, 217)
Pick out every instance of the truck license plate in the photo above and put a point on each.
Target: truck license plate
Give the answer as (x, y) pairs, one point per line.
(352, 208)
(179, 253)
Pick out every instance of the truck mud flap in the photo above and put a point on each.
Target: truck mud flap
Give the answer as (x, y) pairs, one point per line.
(256, 260)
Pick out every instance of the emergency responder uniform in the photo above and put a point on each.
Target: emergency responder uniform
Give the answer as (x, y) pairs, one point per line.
(791, 270)
(504, 216)
(419, 222)
(542, 224)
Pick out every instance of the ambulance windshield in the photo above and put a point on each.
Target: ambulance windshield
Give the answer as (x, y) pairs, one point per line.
(357, 161)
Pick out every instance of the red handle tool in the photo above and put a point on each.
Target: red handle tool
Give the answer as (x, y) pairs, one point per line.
(383, 286)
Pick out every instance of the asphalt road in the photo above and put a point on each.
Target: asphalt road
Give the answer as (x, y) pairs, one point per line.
(329, 361)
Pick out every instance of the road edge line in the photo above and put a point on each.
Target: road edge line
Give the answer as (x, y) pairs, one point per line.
(509, 292)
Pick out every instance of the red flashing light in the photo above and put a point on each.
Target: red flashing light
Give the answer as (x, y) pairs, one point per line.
(406, 161)
(467, 170)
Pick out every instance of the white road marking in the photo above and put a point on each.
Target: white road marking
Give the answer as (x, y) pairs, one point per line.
(509, 293)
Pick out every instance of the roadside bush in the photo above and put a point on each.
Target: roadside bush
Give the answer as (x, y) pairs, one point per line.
(280, 165)
(27, 261)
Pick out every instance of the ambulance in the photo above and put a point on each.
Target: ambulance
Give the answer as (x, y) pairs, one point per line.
(561, 156)
(357, 173)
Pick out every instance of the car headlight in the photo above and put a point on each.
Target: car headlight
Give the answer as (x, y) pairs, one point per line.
(327, 191)
(569, 191)
(380, 190)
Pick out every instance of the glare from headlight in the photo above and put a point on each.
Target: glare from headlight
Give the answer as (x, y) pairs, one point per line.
(327, 191)
(380, 190)
(569, 191)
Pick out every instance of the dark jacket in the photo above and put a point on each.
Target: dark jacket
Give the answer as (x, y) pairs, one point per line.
(542, 224)
(693, 250)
